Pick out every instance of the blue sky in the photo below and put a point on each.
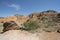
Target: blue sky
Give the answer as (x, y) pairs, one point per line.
(25, 7)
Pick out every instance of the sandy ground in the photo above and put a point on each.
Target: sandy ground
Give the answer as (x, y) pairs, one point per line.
(18, 35)
(49, 36)
(23, 35)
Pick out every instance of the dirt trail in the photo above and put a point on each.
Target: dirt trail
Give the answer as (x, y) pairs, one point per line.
(23, 35)
(18, 35)
(49, 36)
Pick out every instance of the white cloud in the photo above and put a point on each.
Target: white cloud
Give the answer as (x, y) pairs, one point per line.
(17, 7)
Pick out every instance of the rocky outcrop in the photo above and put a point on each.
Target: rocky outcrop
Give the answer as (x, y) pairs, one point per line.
(17, 18)
(39, 14)
(9, 18)
(35, 14)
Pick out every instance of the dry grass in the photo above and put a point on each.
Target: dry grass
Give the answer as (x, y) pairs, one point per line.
(1, 27)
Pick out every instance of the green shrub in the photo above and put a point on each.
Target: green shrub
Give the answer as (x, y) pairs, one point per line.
(31, 25)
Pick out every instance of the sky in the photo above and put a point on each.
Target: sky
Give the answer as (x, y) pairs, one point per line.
(25, 7)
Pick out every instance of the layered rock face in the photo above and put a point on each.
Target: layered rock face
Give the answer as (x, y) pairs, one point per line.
(9, 18)
(39, 14)
(19, 20)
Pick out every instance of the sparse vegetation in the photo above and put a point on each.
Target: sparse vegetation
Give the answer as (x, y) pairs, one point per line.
(1, 27)
(31, 25)
(46, 21)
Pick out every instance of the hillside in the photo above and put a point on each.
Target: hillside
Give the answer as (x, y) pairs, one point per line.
(48, 21)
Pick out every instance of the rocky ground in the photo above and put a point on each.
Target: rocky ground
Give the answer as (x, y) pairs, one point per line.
(24, 35)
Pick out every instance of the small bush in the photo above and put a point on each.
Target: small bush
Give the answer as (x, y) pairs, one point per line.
(31, 25)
